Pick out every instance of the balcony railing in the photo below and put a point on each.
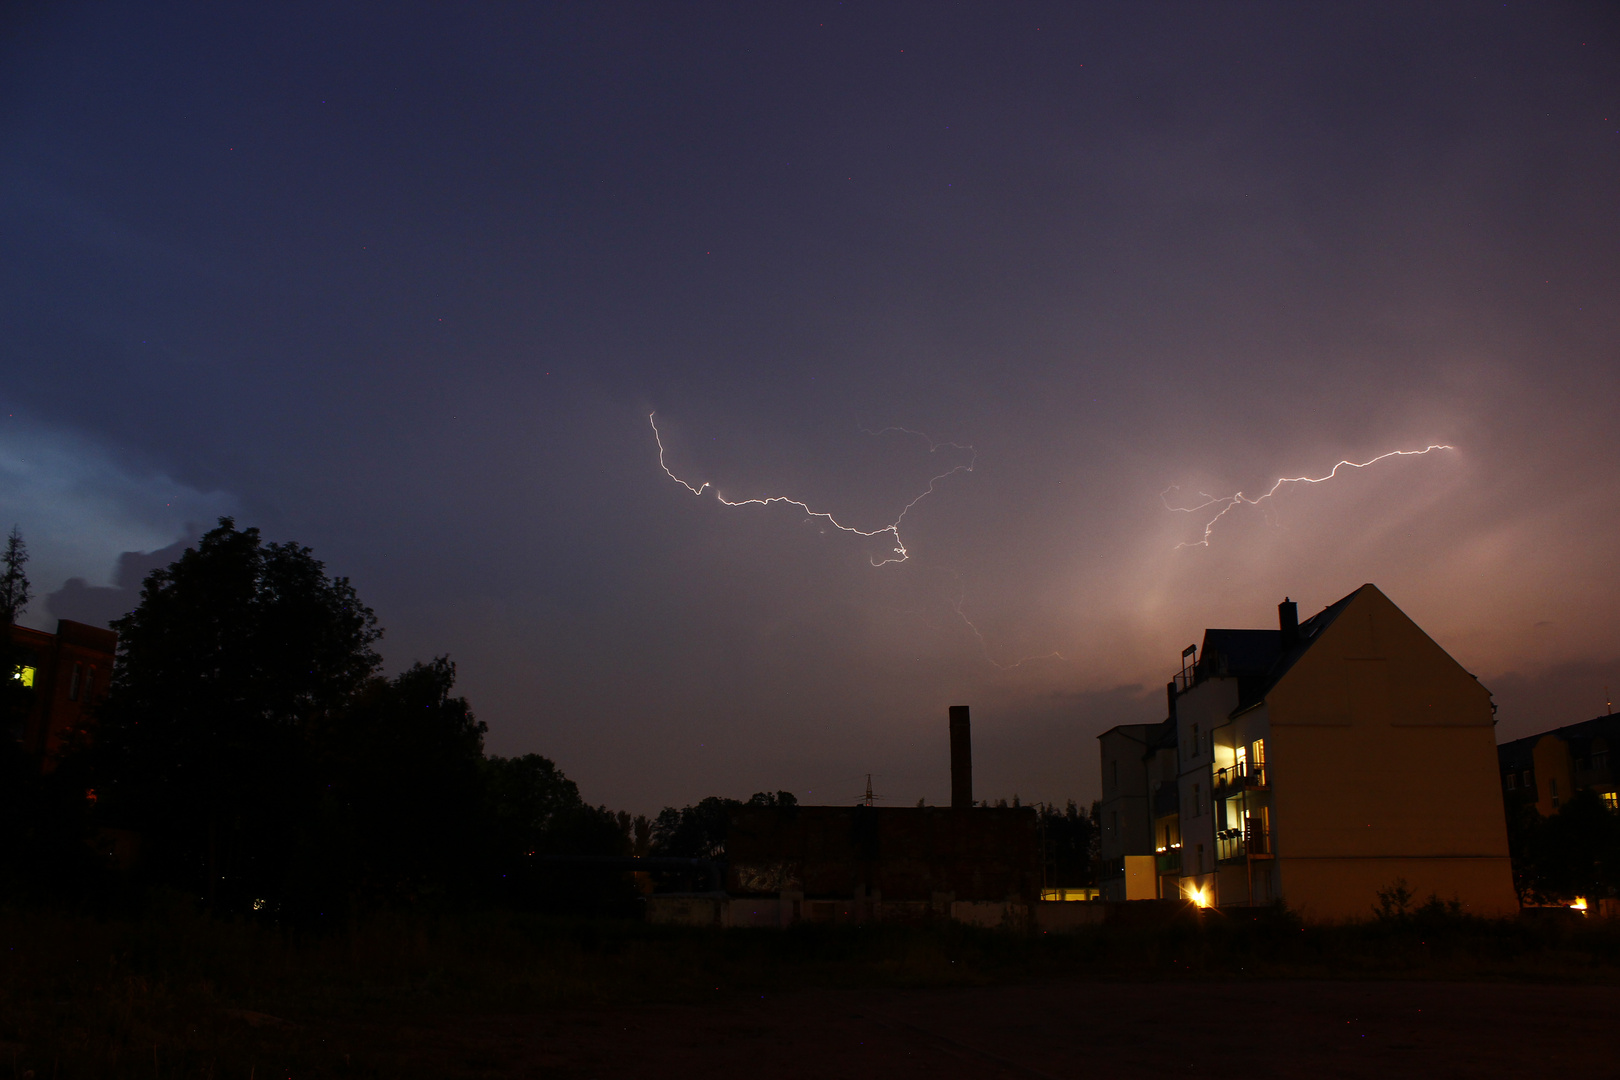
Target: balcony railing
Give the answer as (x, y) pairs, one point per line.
(1244, 774)
(1249, 841)
(1170, 861)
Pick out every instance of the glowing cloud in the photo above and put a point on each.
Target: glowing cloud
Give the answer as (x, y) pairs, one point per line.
(900, 553)
(1226, 503)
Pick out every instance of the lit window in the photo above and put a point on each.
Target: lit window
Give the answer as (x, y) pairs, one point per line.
(1259, 751)
(24, 675)
(1611, 799)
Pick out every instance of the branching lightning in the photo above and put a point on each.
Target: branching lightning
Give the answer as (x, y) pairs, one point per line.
(899, 553)
(985, 645)
(1227, 503)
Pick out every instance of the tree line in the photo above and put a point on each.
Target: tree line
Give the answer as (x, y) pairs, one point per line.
(251, 754)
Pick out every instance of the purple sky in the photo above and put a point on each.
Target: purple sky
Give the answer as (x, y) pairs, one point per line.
(403, 283)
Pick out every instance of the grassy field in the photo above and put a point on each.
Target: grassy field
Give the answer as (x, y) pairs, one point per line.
(177, 994)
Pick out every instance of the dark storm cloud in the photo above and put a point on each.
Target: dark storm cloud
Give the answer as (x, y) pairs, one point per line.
(407, 280)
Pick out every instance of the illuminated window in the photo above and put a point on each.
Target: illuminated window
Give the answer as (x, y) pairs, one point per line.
(25, 675)
(1259, 751)
(1611, 799)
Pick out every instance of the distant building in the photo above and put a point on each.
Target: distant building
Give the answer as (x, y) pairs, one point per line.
(891, 863)
(972, 863)
(69, 672)
(1545, 770)
(1312, 764)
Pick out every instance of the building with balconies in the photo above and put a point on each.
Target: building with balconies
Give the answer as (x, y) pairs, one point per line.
(1313, 764)
(1545, 770)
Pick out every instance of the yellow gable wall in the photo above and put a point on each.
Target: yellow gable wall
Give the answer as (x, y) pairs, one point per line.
(1382, 761)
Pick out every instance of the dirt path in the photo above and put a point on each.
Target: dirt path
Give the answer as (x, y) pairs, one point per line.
(1209, 1030)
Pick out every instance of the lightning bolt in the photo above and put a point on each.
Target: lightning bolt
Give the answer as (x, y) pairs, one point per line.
(1227, 503)
(899, 552)
(985, 645)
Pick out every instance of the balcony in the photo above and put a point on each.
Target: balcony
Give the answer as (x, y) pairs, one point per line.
(1242, 775)
(1169, 861)
(1249, 842)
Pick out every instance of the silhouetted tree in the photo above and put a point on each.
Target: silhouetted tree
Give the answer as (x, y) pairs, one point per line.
(15, 698)
(239, 652)
(536, 813)
(699, 832)
(1068, 842)
(1575, 852)
(401, 774)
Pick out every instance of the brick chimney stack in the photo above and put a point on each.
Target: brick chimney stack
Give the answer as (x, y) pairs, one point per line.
(961, 759)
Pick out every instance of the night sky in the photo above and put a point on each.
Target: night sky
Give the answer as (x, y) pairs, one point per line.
(404, 283)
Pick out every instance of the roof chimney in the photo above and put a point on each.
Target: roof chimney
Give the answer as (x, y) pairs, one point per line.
(1288, 621)
(961, 759)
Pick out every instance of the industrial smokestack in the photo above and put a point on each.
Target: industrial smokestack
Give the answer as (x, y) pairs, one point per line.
(961, 759)
(1288, 621)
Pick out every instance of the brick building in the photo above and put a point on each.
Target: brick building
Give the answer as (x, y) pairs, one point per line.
(69, 672)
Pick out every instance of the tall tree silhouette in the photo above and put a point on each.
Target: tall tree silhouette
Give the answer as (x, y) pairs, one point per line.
(238, 652)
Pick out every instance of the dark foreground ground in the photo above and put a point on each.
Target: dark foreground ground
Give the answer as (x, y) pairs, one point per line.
(1204, 1029)
(173, 993)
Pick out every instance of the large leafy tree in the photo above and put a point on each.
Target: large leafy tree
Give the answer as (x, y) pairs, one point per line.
(238, 654)
(400, 789)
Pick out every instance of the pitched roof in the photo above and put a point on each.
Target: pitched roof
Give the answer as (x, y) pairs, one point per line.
(1258, 658)
(1579, 736)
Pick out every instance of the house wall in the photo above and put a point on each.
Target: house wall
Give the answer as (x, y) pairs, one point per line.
(1126, 814)
(1382, 761)
(1554, 782)
(1254, 881)
(1199, 712)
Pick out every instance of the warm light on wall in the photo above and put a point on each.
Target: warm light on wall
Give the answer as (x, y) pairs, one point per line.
(1200, 897)
(1579, 905)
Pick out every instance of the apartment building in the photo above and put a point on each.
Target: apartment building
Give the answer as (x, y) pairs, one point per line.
(1545, 770)
(1312, 764)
